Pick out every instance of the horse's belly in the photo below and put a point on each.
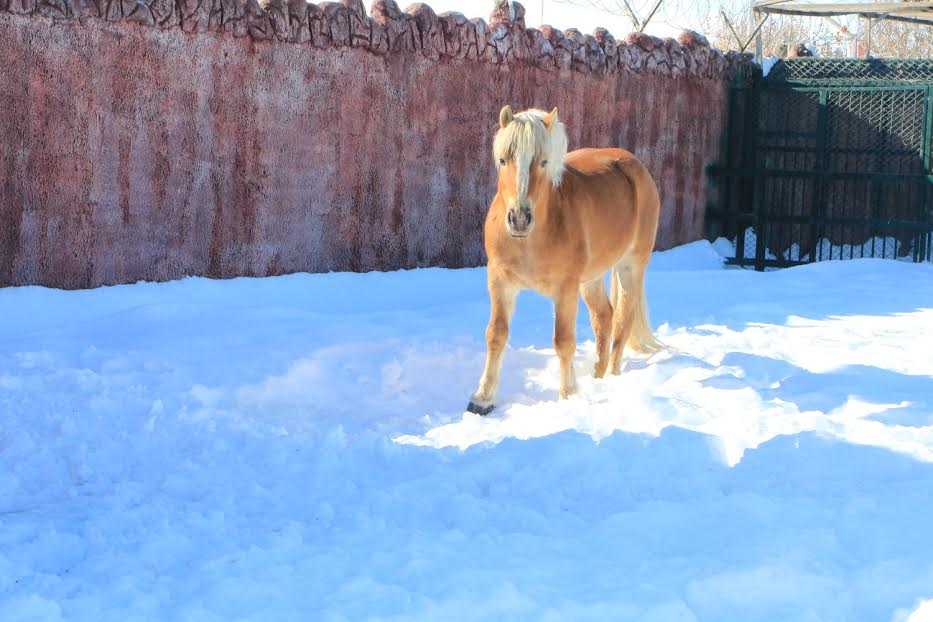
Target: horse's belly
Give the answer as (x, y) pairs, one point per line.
(534, 277)
(546, 273)
(610, 242)
(602, 262)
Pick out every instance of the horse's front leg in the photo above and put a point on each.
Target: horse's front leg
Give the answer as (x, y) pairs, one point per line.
(502, 303)
(565, 336)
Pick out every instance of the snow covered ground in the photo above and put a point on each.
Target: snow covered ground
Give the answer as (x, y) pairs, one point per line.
(295, 448)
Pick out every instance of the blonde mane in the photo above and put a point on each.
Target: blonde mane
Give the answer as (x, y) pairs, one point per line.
(527, 138)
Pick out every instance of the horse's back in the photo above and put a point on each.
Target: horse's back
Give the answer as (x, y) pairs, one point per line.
(597, 167)
(591, 161)
(623, 195)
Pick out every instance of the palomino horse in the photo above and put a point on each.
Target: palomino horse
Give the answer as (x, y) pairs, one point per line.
(557, 224)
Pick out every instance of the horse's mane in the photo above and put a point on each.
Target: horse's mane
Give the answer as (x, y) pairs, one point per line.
(526, 138)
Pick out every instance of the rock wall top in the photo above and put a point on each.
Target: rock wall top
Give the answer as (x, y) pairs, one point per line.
(416, 30)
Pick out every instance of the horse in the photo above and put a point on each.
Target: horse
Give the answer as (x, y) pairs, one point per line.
(558, 223)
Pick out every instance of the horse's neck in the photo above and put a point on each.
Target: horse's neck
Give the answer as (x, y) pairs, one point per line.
(549, 210)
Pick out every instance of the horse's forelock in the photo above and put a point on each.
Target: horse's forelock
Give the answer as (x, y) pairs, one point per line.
(526, 138)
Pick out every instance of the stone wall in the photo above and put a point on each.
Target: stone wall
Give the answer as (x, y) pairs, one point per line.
(154, 139)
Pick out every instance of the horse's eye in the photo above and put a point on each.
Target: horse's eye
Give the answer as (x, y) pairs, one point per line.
(502, 161)
(543, 163)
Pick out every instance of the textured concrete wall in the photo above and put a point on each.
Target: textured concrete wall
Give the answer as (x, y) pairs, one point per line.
(170, 138)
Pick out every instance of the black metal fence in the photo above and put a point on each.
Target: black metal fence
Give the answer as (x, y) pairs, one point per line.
(827, 159)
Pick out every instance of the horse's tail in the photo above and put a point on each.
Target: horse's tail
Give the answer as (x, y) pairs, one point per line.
(614, 287)
(641, 338)
(631, 302)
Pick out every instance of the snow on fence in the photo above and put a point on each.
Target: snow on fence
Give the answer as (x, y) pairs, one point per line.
(825, 249)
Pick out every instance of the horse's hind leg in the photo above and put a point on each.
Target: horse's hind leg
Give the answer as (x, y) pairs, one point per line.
(594, 295)
(624, 301)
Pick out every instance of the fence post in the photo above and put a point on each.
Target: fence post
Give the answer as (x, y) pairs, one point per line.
(818, 209)
(750, 162)
(924, 242)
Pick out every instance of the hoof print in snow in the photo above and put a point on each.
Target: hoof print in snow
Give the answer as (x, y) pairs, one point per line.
(476, 409)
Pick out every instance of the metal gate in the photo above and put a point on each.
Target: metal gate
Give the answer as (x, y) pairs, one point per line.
(827, 159)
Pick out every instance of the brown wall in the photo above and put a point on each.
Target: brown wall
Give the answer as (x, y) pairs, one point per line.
(228, 139)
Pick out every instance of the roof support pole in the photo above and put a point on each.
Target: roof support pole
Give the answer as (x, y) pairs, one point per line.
(758, 20)
(868, 39)
(753, 23)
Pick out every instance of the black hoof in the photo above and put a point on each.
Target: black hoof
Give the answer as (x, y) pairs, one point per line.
(476, 409)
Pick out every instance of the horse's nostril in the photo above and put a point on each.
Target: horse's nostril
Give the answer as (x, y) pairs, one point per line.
(519, 220)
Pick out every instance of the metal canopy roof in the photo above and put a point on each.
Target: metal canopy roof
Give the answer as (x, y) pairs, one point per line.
(908, 11)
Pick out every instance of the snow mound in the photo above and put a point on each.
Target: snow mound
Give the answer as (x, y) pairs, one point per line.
(295, 448)
(699, 255)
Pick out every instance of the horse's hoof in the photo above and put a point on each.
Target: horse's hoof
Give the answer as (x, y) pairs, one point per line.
(476, 409)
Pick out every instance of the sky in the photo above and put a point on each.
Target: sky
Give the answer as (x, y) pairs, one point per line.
(562, 15)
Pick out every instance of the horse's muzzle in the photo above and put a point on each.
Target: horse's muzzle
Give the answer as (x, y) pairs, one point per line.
(519, 222)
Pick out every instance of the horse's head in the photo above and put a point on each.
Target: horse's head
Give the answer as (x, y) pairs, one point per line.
(529, 149)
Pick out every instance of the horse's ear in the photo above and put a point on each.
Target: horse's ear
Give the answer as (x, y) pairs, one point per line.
(549, 119)
(505, 116)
